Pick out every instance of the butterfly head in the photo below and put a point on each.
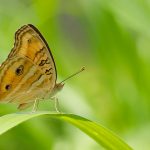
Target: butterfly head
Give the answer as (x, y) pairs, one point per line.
(58, 87)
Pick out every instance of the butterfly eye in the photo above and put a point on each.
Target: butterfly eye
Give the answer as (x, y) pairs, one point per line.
(19, 70)
(8, 87)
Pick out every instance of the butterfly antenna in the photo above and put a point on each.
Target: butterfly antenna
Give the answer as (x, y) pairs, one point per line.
(82, 69)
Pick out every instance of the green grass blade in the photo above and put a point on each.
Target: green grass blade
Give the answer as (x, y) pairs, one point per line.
(100, 134)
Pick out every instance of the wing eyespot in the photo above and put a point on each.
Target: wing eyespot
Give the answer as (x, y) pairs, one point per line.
(19, 70)
(8, 87)
(29, 41)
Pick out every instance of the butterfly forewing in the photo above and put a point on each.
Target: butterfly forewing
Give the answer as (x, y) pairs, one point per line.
(30, 43)
(29, 67)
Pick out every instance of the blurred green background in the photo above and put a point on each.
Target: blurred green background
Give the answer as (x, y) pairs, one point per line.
(112, 40)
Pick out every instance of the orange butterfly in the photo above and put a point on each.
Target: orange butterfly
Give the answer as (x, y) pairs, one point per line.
(29, 73)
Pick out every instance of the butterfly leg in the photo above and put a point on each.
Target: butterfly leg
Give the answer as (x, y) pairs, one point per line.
(35, 105)
(56, 104)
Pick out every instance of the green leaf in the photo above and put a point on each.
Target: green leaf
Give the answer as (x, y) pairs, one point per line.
(100, 134)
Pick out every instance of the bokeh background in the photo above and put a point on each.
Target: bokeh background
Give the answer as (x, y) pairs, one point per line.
(112, 40)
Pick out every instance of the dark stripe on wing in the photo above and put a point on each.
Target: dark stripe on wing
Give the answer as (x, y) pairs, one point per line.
(38, 32)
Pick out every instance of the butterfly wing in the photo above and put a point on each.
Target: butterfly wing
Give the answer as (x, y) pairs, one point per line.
(30, 43)
(29, 72)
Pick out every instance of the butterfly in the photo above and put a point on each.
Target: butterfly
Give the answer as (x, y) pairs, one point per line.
(29, 73)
